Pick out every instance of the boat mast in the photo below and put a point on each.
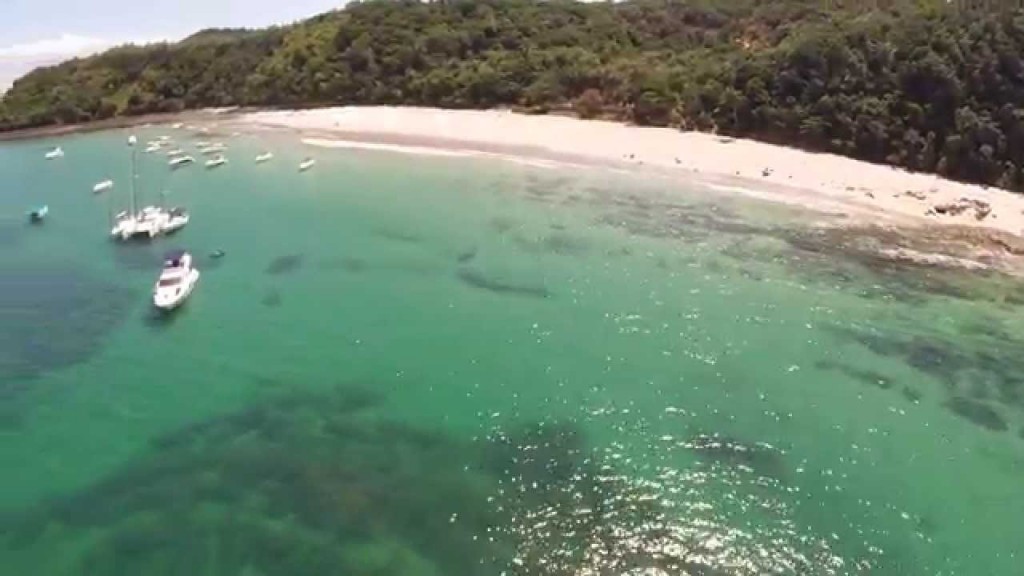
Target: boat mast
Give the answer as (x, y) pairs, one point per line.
(131, 143)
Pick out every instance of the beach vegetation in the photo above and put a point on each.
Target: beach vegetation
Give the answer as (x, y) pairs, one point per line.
(925, 85)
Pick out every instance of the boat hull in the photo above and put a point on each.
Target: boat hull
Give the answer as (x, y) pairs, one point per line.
(150, 222)
(168, 301)
(175, 223)
(128, 230)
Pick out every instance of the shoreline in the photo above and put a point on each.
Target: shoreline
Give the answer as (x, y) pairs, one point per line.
(116, 123)
(822, 182)
(975, 226)
(55, 130)
(770, 171)
(966, 223)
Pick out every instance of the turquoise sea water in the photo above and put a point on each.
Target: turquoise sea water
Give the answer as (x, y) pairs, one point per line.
(420, 365)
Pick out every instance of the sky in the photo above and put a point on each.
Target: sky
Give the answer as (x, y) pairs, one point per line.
(41, 32)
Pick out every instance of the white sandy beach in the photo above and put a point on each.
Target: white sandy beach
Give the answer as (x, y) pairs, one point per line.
(827, 182)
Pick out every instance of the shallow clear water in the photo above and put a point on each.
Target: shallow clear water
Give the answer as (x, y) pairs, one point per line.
(410, 365)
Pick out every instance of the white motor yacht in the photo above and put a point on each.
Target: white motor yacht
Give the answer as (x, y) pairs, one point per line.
(102, 186)
(175, 152)
(57, 152)
(306, 164)
(264, 158)
(177, 280)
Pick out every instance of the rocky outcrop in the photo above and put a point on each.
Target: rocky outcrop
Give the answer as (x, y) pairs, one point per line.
(981, 208)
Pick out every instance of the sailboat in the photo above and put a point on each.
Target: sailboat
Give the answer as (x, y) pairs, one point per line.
(150, 221)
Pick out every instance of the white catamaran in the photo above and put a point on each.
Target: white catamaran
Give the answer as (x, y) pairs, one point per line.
(149, 221)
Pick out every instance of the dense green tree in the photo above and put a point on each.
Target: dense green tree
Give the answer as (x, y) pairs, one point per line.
(929, 85)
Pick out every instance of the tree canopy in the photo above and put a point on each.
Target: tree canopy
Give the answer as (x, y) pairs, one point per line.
(928, 85)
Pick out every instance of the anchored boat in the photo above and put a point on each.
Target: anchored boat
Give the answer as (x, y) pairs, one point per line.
(149, 221)
(218, 160)
(177, 280)
(180, 161)
(38, 214)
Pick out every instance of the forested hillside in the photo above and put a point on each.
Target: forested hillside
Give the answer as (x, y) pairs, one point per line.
(925, 84)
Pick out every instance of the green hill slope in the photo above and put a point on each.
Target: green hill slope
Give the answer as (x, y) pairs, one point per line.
(921, 84)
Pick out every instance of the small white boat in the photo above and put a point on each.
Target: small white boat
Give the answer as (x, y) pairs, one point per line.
(175, 152)
(152, 148)
(212, 149)
(264, 157)
(180, 161)
(306, 164)
(177, 280)
(37, 215)
(218, 160)
(202, 144)
(165, 139)
(177, 125)
(102, 186)
(57, 152)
